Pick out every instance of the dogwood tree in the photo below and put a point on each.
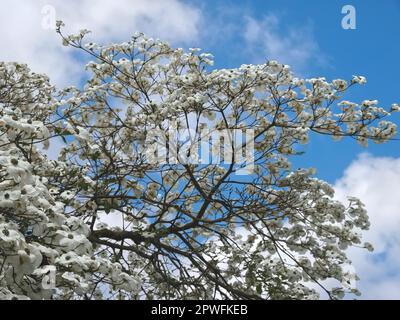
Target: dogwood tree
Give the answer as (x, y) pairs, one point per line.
(109, 223)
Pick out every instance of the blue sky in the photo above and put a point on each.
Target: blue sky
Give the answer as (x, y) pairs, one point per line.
(304, 34)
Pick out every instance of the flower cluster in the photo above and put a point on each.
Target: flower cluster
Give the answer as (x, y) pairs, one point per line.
(36, 233)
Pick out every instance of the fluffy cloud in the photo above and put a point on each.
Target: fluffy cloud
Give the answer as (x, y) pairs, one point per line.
(269, 38)
(376, 181)
(25, 35)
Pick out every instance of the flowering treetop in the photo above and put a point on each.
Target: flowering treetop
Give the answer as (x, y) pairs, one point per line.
(186, 229)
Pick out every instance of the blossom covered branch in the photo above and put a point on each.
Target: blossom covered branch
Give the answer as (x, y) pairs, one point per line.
(185, 230)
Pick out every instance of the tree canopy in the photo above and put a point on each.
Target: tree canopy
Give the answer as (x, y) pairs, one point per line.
(184, 229)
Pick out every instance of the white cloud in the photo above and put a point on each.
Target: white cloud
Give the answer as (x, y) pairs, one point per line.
(268, 38)
(24, 39)
(376, 181)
